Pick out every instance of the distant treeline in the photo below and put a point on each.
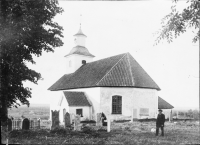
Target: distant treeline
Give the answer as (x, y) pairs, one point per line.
(192, 114)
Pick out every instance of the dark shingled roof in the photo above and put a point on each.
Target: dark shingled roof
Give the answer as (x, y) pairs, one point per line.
(76, 98)
(116, 71)
(81, 51)
(162, 104)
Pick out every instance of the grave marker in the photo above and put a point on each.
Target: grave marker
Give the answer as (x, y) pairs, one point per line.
(67, 120)
(99, 119)
(9, 124)
(25, 124)
(77, 123)
(31, 124)
(72, 116)
(55, 119)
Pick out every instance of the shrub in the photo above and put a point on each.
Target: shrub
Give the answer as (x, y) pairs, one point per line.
(22, 134)
(59, 131)
(90, 131)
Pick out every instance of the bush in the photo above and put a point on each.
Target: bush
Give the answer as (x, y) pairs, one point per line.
(90, 131)
(102, 130)
(22, 134)
(87, 130)
(59, 131)
(27, 133)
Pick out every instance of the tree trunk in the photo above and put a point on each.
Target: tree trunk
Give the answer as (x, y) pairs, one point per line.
(4, 118)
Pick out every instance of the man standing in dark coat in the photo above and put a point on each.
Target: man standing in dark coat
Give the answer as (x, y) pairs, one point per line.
(160, 123)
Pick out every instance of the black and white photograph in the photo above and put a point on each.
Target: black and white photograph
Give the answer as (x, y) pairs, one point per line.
(99, 72)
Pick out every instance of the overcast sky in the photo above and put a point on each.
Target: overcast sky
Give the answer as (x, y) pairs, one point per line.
(125, 26)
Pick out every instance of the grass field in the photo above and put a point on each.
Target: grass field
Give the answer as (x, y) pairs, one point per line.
(41, 111)
(121, 133)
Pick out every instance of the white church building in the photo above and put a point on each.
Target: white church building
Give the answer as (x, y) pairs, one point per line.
(117, 86)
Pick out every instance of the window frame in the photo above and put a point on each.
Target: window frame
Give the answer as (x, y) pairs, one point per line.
(116, 104)
(81, 111)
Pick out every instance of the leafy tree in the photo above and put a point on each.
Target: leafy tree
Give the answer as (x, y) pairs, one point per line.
(190, 113)
(196, 114)
(176, 23)
(26, 29)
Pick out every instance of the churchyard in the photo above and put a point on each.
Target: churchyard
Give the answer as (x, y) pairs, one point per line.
(74, 131)
(121, 132)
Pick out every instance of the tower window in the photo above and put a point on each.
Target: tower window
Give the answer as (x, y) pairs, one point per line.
(83, 62)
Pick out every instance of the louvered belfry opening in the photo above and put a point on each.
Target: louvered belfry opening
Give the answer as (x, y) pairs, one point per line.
(116, 104)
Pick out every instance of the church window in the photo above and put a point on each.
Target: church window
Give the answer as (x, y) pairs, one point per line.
(79, 112)
(116, 104)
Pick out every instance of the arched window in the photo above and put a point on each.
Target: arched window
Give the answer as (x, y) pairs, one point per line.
(116, 104)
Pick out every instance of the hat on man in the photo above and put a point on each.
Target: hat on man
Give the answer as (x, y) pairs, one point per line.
(160, 110)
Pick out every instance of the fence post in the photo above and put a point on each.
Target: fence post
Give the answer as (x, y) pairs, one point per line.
(108, 123)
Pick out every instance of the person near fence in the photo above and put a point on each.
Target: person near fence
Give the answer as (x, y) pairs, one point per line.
(160, 122)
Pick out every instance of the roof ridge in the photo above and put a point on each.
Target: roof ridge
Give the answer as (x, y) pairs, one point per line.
(112, 68)
(130, 69)
(106, 58)
(146, 73)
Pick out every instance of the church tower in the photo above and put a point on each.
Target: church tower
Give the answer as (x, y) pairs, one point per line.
(79, 55)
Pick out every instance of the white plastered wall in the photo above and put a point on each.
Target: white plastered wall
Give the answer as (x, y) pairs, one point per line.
(93, 96)
(64, 105)
(56, 96)
(76, 62)
(80, 40)
(132, 98)
(86, 111)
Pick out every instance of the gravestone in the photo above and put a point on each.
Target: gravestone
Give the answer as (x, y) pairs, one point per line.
(99, 119)
(55, 119)
(67, 120)
(25, 124)
(9, 124)
(77, 123)
(72, 116)
(31, 124)
(45, 124)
